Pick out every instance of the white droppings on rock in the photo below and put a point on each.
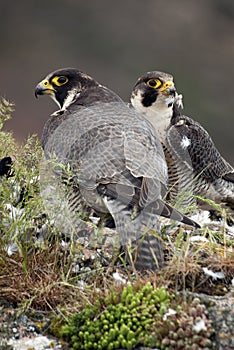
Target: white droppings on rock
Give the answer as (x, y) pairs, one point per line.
(13, 212)
(199, 239)
(202, 216)
(11, 249)
(119, 279)
(214, 275)
(169, 313)
(200, 326)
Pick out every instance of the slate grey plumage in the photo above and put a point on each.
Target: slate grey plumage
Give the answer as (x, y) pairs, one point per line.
(195, 165)
(116, 161)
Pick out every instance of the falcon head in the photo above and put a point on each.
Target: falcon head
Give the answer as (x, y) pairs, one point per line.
(154, 94)
(65, 85)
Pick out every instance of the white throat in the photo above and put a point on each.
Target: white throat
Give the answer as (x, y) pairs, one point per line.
(159, 113)
(71, 97)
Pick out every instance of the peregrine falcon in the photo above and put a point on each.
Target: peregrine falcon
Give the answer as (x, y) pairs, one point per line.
(116, 162)
(194, 164)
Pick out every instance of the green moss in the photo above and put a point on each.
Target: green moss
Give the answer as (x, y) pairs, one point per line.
(138, 319)
(119, 321)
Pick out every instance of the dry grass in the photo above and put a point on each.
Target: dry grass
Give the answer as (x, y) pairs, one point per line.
(46, 281)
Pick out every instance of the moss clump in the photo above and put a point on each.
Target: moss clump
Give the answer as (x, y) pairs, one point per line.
(118, 322)
(138, 319)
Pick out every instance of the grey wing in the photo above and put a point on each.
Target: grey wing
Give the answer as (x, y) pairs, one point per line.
(193, 145)
(144, 153)
(109, 125)
(102, 141)
(145, 158)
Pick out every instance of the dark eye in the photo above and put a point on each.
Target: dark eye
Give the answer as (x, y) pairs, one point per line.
(59, 80)
(154, 83)
(62, 80)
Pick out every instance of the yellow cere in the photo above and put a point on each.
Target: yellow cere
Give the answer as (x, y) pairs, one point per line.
(48, 87)
(166, 85)
(45, 83)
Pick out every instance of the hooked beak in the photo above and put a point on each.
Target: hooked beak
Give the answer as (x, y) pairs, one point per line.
(44, 87)
(168, 88)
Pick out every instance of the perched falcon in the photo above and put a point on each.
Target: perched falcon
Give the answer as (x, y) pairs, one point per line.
(195, 166)
(115, 160)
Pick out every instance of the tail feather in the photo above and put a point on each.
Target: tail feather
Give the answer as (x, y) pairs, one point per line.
(229, 177)
(169, 212)
(146, 253)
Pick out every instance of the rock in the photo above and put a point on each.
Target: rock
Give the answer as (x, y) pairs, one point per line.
(39, 342)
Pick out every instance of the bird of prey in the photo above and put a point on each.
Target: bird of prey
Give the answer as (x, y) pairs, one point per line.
(194, 164)
(116, 162)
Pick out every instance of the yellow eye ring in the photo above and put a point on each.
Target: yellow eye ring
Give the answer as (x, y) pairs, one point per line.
(60, 80)
(154, 83)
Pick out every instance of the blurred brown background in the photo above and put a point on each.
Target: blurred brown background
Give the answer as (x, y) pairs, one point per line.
(115, 42)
